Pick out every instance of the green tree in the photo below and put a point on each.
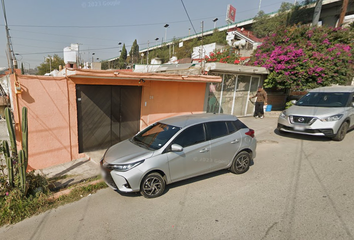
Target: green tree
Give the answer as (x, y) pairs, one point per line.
(50, 63)
(218, 37)
(300, 14)
(264, 25)
(122, 61)
(104, 65)
(285, 6)
(134, 52)
(301, 58)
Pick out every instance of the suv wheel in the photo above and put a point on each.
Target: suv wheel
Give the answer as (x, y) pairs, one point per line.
(342, 131)
(153, 185)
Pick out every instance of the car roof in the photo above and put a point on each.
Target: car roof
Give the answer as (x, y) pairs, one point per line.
(334, 89)
(192, 119)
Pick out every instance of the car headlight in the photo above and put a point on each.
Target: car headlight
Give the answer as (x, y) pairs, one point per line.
(283, 115)
(124, 167)
(332, 118)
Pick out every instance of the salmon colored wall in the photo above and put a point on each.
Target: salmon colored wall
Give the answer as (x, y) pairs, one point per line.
(49, 136)
(52, 111)
(166, 99)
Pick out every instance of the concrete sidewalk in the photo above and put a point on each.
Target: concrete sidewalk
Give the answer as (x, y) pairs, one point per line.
(76, 171)
(83, 169)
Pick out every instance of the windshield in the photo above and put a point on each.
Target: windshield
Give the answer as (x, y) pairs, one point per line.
(324, 99)
(155, 136)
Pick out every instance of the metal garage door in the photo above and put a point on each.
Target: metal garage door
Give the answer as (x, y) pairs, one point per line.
(106, 115)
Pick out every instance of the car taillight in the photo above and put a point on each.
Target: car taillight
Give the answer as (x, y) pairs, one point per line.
(250, 133)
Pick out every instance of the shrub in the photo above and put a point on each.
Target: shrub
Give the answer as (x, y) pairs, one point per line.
(223, 56)
(301, 58)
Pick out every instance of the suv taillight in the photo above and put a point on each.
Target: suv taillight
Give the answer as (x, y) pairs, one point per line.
(250, 133)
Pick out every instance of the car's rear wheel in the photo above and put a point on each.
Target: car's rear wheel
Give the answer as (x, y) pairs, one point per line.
(153, 185)
(241, 163)
(342, 131)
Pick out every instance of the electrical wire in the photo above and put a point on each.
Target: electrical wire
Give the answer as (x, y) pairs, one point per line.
(188, 16)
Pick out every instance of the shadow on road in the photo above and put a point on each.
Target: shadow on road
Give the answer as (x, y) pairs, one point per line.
(185, 182)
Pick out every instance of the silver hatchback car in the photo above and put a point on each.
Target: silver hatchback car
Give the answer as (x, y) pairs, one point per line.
(326, 111)
(178, 148)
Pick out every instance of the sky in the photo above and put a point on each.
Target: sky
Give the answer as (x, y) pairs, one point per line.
(41, 28)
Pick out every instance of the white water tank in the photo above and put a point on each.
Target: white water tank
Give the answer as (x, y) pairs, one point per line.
(69, 55)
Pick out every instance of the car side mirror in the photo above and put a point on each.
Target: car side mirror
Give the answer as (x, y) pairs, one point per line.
(176, 148)
(293, 101)
(352, 104)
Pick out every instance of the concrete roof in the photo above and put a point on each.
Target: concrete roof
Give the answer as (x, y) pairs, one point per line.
(235, 69)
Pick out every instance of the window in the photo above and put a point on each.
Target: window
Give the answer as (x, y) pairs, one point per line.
(190, 136)
(231, 126)
(216, 129)
(324, 99)
(155, 136)
(239, 125)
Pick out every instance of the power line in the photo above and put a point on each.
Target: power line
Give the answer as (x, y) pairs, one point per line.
(127, 25)
(63, 35)
(101, 26)
(81, 50)
(188, 16)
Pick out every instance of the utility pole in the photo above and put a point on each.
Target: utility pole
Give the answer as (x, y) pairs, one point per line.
(11, 55)
(259, 6)
(317, 13)
(147, 58)
(201, 47)
(342, 13)
(201, 50)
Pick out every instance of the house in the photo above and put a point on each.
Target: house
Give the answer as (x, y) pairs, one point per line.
(230, 95)
(239, 82)
(80, 111)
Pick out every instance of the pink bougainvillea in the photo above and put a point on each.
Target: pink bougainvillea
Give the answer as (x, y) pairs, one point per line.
(310, 57)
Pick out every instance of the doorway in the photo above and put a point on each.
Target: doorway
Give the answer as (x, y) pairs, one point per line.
(106, 115)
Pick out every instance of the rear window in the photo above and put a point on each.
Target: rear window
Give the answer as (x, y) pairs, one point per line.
(238, 124)
(231, 126)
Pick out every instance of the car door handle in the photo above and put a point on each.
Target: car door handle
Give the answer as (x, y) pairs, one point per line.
(235, 141)
(204, 150)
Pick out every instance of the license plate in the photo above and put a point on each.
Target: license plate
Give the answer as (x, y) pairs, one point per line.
(299, 128)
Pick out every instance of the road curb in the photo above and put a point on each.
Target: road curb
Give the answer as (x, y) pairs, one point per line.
(68, 190)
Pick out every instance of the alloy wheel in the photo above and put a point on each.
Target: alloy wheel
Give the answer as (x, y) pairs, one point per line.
(153, 185)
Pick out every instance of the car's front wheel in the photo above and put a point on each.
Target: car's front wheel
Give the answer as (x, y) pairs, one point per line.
(342, 131)
(241, 163)
(153, 185)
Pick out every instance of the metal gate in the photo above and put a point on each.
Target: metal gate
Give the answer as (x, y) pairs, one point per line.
(106, 115)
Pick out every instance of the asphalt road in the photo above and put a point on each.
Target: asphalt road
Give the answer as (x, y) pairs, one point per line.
(299, 187)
